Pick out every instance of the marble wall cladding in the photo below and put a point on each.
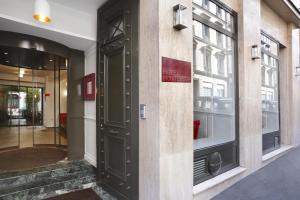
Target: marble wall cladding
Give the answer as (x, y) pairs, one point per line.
(250, 116)
(295, 138)
(251, 13)
(175, 107)
(273, 24)
(166, 149)
(149, 180)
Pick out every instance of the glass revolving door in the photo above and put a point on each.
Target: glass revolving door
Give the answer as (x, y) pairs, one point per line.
(33, 98)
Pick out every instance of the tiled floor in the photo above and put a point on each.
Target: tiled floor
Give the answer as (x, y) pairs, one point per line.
(29, 135)
(280, 180)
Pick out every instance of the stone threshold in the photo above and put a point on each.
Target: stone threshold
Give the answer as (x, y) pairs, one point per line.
(277, 152)
(201, 187)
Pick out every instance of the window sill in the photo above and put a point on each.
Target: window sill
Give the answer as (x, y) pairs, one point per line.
(276, 152)
(217, 180)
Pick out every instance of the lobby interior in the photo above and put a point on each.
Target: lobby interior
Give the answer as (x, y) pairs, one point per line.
(33, 100)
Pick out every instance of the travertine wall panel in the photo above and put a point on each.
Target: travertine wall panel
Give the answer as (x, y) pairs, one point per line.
(149, 174)
(273, 25)
(176, 108)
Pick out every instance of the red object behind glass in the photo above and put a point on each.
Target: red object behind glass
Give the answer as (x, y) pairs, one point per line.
(196, 128)
(63, 119)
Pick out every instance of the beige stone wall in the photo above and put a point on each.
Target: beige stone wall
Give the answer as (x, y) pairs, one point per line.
(233, 4)
(176, 108)
(251, 13)
(273, 25)
(166, 148)
(149, 178)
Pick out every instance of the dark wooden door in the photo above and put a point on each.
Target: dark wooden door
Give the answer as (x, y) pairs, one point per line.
(117, 98)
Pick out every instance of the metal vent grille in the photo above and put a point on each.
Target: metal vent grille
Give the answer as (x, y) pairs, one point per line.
(200, 168)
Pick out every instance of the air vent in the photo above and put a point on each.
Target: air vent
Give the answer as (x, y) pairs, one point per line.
(200, 168)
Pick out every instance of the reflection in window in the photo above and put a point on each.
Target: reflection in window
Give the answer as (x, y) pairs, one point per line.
(220, 63)
(206, 33)
(214, 82)
(214, 13)
(269, 88)
(206, 53)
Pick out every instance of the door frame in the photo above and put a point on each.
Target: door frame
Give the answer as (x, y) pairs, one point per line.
(76, 65)
(134, 133)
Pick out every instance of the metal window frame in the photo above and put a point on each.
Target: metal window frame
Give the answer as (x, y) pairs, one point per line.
(278, 132)
(198, 153)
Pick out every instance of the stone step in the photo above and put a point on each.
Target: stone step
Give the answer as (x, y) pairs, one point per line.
(45, 181)
(62, 164)
(49, 174)
(43, 191)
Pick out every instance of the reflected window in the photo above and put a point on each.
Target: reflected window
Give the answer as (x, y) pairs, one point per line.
(270, 93)
(220, 64)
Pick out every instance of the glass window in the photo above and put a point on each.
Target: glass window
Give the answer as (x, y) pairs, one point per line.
(270, 93)
(214, 84)
(213, 13)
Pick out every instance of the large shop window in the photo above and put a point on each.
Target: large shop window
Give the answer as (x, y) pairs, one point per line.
(215, 83)
(270, 93)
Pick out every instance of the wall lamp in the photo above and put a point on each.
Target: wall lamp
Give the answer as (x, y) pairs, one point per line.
(297, 71)
(178, 17)
(255, 54)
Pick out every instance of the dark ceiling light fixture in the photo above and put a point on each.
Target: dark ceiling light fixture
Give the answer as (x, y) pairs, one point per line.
(42, 11)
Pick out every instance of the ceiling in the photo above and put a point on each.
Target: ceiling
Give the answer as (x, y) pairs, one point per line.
(31, 59)
(71, 34)
(9, 70)
(71, 41)
(87, 6)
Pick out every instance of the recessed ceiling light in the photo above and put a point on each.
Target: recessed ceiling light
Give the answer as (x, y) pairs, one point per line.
(42, 11)
(50, 60)
(7, 61)
(5, 53)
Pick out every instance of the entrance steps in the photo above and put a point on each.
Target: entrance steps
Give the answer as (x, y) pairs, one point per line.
(49, 181)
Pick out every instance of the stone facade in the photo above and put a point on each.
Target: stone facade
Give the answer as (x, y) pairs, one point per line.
(166, 136)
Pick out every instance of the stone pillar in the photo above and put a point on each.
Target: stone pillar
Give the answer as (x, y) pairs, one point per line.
(149, 150)
(175, 108)
(295, 62)
(166, 136)
(250, 113)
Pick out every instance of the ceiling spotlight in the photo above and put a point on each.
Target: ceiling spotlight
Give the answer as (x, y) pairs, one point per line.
(5, 53)
(42, 11)
(7, 61)
(50, 60)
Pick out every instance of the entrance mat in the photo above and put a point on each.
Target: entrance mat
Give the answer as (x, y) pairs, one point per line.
(28, 158)
(86, 194)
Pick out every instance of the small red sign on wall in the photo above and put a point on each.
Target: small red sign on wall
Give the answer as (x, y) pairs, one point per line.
(89, 87)
(176, 70)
